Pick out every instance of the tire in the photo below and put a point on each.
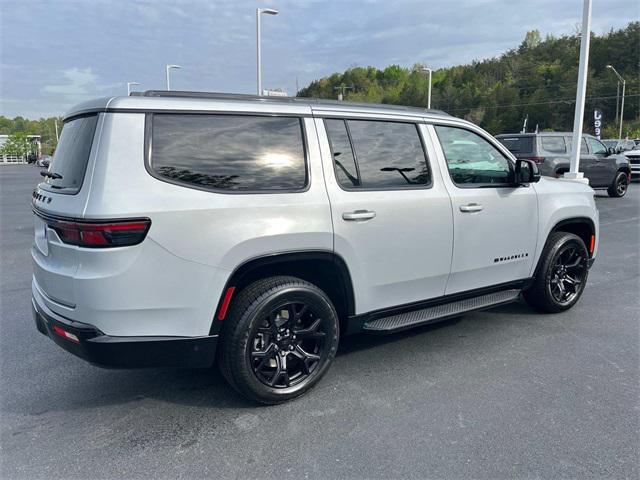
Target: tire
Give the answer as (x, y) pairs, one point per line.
(619, 186)
(279, 339)
(552, 281)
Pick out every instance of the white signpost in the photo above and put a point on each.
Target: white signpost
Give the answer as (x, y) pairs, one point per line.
(573, 173)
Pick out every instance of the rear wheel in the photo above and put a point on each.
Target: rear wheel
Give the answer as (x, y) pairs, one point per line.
(279, 339)
(562, 275)
(619, 186)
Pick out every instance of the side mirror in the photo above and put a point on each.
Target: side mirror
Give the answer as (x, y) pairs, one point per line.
(612, 151)
(527, 171)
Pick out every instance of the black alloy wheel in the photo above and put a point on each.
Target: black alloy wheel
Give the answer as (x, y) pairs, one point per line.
(568, 274)
(288, 346)
(279, 339)
(620, 185)
(561, 274)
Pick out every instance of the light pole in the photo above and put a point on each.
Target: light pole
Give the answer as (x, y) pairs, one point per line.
(260, 11)
(581, 92)
(168, 68)
(624, 83)
(428, 70)
(129, 85)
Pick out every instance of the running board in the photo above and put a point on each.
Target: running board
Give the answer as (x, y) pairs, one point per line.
(414, 318)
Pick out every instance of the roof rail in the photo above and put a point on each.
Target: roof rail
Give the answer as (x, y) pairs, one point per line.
(301, 100)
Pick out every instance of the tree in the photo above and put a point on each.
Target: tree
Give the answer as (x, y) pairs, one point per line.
(537, 78)
(18, 144)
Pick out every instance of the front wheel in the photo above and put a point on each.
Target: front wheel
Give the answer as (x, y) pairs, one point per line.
(279, 339)
(562, 275)
(619, 186)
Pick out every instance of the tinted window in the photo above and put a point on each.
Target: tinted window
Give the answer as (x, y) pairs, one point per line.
(583, 145)
(517, 144)
(596, 146)
(471, 159)
(553, 144)
(345, 165)
(230, 152)
(72, 154)
(389, 154)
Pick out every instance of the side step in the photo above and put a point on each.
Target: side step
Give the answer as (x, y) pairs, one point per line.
(414, 318)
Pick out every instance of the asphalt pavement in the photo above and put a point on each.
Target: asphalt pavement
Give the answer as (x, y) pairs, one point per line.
(503, 393)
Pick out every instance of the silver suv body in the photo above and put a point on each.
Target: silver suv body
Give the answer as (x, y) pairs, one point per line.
(180, 228)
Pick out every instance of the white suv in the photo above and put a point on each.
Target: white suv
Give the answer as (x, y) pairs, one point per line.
(183, 229)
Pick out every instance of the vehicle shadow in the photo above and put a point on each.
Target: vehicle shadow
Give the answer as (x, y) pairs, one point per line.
(89, 387)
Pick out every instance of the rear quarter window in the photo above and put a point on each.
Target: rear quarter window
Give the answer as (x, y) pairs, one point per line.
(241, 153)
(69, 162)
(517, 144)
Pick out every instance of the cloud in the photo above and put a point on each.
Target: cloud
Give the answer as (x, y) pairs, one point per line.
(80, 50)
(79, 82)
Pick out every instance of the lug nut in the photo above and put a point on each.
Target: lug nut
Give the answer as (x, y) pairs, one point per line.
(290, 347)
(277, 348)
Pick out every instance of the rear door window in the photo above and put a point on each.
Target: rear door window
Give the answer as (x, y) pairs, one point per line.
(229, 152)
(70, 160)
(343, 159)
(553, 144)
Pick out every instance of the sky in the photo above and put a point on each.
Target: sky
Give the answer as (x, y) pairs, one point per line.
(54, 54)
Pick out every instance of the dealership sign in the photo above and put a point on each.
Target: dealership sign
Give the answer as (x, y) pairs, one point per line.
(598, 123)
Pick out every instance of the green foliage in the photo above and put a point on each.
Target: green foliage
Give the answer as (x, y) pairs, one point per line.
(537, 79)
(44, 127)
(17, 144)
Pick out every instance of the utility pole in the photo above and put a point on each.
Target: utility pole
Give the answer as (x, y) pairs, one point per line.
(342, 88)
(624, 84)
(55, 123)
(585, 39)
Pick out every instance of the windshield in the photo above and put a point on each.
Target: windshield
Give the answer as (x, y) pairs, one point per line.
(72, 155)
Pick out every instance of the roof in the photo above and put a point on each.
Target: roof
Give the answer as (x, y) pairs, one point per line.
(195, 101)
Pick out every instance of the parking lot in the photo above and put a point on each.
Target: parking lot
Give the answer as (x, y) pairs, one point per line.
(502, 393)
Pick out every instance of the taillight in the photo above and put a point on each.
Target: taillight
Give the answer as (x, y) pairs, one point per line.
(100, 234)
(536, 159)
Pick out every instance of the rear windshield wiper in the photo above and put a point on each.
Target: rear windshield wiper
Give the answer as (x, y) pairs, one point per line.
(55, 176)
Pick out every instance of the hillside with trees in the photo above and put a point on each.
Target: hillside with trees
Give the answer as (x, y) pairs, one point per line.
(537, 79)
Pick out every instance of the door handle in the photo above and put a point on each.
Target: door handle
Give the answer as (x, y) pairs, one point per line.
(472, 207)
(358, 215)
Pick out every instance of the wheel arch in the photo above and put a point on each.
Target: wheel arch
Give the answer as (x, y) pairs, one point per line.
(583, 227)
(325, 269)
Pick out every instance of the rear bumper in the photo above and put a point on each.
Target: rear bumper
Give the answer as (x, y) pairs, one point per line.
(124, 352)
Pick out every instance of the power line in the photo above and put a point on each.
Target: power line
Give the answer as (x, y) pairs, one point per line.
(567, 101)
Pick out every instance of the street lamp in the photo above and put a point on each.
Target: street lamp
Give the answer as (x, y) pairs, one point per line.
(624, 83)
(129, 85)
(259, 11)
(168, 68)
(428, 70)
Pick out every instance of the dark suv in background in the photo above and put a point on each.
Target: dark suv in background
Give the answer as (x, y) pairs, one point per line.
(551, 151)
